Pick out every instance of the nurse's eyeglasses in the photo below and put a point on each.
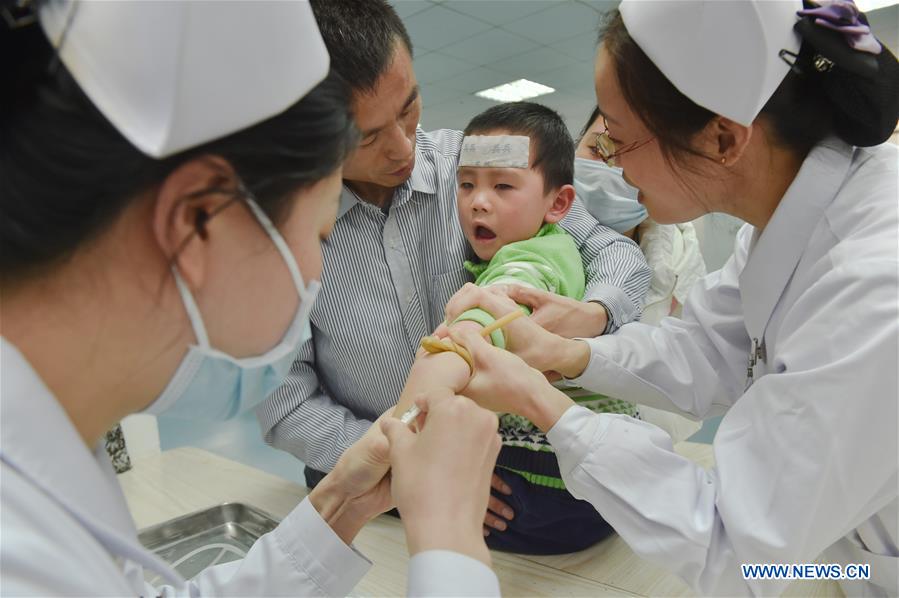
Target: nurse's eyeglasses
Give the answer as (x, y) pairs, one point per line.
(607, 150)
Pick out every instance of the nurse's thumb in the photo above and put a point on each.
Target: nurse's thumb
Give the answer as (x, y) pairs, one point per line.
(528, 296)
(467, 338)
(397, 433)
(472, 341)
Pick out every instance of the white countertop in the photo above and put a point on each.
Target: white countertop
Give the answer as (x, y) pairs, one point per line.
(180, 481)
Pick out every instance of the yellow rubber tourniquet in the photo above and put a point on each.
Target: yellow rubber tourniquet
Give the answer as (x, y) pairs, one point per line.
(432, 344)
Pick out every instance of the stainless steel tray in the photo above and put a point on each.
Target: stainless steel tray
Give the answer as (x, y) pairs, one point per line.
(198, 540)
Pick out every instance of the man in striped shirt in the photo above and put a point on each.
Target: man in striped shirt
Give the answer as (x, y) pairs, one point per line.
(396, 253)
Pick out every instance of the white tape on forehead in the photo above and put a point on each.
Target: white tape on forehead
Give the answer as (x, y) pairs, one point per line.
(495, 151)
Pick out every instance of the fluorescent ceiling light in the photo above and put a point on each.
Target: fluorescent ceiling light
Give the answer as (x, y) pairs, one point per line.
(515, 91)
(869, 5)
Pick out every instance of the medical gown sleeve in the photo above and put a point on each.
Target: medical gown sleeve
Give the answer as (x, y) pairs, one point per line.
(695, 365)
(301, 557)
(807, 454)
(446, 573)
(304, 557)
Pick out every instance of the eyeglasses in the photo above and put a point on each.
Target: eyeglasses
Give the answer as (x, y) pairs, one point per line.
(606, 149)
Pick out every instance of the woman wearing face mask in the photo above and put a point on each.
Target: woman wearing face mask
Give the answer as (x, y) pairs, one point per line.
(775, 114)
(672, 250)
(165, 186)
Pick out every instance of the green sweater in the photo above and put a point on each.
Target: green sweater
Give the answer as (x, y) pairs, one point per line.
(549, 261)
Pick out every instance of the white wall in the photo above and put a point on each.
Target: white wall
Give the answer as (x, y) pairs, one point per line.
(716, 233)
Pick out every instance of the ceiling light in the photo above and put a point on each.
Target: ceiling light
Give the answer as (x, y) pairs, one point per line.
(515, 91)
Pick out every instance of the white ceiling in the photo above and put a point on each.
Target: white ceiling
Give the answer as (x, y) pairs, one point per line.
(464, 46)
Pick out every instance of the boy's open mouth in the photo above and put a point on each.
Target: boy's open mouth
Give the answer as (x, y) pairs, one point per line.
(482, 233)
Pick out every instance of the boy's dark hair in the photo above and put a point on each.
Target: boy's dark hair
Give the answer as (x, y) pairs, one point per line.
(361, 36)
(554, 155)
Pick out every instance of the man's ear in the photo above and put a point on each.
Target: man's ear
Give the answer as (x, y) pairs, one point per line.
(561, 204)
(724, 141)
(182, 212)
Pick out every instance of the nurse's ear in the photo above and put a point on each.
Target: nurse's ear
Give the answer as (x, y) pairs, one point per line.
(185, 203)
(724, 141)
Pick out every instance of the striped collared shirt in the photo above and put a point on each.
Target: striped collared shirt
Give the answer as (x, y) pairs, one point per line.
(386, 280)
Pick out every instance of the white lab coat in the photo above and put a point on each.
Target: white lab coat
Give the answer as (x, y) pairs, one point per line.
(673, 253)
(66, 529)
(806, 457)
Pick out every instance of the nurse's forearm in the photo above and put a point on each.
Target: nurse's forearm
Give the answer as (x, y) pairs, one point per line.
(338, 510)
(545, 405)
(574, 357)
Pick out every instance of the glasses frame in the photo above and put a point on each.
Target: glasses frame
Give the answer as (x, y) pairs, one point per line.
(607, 150)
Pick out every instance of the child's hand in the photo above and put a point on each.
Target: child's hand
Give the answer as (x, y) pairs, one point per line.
(498, 513)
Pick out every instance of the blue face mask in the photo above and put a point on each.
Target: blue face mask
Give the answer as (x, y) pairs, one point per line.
(212, 385)
(608, 198)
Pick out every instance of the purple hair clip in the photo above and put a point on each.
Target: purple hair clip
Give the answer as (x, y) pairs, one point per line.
(844, 17)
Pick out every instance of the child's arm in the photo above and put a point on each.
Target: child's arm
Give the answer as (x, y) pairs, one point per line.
(432, 371)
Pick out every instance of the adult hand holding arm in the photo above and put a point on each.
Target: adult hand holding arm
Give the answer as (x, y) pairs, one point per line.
(440, 481)
(503, 382)
(358, 488)
(560, 315)
(539, 348)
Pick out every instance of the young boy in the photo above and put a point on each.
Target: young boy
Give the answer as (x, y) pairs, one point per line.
(515, 184)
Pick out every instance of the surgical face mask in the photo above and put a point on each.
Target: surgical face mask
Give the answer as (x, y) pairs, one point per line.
(608, 198)
(213, 385)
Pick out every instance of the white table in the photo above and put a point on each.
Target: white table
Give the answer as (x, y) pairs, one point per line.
(180, 481)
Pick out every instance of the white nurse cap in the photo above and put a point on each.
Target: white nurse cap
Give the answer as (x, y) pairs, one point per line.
(722, 54)
(173, 75)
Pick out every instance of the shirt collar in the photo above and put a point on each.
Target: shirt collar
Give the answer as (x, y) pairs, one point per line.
(39, 440)
(775, 252)
(422, 180)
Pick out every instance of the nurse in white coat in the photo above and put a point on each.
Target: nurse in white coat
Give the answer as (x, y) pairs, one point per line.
(794, 340)
(164, 186)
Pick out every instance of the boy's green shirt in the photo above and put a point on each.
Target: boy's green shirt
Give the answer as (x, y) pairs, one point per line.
(549, 261)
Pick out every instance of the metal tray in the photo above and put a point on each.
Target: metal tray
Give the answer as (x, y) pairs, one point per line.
(198, 540)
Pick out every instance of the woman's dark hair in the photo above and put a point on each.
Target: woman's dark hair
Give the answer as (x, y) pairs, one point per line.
(554, 154)
(799, 114)
(593, 116)
(66, 172)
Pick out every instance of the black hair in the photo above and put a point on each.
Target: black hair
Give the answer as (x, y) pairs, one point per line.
(802, 111)
(66, 173)
(593, 116)
(554, 155)
(361, 36)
